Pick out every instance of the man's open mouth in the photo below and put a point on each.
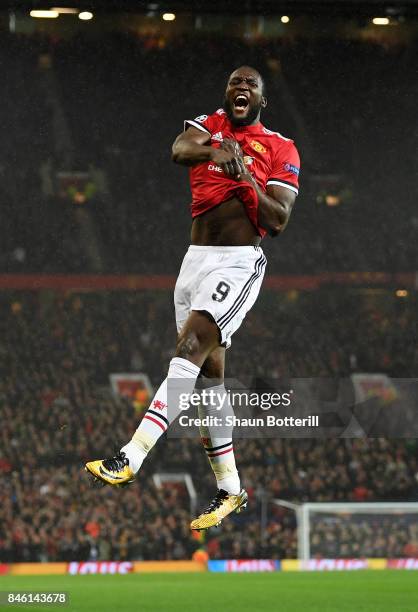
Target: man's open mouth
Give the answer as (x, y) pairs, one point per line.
(241, 102)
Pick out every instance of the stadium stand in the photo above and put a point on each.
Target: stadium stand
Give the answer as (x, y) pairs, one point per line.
(133, 81)
(57, 351)
(123, 101)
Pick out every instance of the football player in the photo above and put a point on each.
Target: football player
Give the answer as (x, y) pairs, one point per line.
(244, 181)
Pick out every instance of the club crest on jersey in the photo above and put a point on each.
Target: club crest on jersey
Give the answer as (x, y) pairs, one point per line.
(218, 136)
(248, 160)
(258, 147)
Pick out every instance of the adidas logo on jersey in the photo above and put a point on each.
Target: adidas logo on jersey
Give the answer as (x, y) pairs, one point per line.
(218, 136)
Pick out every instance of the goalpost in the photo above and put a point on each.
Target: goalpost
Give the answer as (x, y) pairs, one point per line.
(184, 478)
(353, 529)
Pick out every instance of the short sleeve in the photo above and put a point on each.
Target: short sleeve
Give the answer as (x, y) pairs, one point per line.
(286, 168)
(205, 123)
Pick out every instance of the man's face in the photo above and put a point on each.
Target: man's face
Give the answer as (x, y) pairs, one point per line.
(244, 97)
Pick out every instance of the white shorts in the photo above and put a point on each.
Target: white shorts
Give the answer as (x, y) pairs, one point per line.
(223, 281)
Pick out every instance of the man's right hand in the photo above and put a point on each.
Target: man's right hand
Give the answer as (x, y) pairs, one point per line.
(228, 159)
(193, 147)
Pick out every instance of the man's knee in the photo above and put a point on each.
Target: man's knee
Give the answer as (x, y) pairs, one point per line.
(199, 336)
(214, 365)
(208, 371)
(188, 345)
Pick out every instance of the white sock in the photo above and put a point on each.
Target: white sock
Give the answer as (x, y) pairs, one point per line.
(156, 420)
(220, 451)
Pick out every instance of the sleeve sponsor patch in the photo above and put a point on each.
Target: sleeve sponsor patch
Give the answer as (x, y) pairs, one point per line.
(201, 118)
(291, 168)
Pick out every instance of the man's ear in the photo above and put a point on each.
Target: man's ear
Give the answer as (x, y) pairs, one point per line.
(263, 102)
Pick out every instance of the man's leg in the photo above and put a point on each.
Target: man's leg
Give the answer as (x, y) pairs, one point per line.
(197, 339)
(218, 445)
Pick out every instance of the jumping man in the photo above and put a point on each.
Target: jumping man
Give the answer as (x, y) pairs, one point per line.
(244, 182)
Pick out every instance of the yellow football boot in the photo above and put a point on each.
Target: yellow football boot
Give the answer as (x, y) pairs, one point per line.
(221, 505)
(114, 471)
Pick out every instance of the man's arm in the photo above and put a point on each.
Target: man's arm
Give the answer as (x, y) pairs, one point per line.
(274, 207)
(193, 147)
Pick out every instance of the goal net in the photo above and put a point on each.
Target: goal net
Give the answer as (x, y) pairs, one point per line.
(356, 530)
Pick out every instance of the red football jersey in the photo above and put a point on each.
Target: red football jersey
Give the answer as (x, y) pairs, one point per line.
(271, 158)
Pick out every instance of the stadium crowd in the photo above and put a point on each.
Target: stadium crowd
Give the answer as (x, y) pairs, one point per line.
(346, 123)
(56, 353)
(383, 536)
(57, 349)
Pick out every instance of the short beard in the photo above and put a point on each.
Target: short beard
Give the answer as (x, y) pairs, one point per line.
(248, 120)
